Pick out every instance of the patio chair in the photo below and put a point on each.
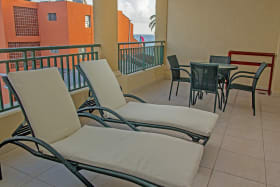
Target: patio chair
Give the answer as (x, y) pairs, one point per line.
(223, 76)
(145, 159)
(176, 73)
(177, 120)
(204, 77)
(252, 88)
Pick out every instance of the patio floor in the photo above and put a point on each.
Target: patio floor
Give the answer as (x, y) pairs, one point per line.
(243, 151)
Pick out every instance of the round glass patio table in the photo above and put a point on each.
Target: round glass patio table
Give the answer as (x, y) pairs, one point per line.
(227, 67)
(223, 67)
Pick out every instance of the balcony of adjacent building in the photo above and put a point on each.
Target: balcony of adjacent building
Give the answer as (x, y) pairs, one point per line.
(243, 149)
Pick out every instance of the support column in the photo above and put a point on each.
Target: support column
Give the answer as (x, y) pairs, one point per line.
(276, 73)
(161, 30)
(106, 29)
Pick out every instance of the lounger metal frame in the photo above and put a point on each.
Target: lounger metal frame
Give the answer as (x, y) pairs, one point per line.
(73, 166)
(194, 136)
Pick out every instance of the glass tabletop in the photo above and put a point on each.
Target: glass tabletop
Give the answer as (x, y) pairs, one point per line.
(228, 67)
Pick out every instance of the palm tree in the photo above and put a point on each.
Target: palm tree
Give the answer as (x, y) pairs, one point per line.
(153, 22)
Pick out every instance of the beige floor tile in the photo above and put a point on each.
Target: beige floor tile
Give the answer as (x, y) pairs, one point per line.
(202, 177)
(271, 124)
(26, 162)
(107, 181)
(245, 120)
(270, 116)
(220, 127)
(272, 152)
(241, 165)
(245, 132)
(220, 179)
(13, 177)
(209, 156)
(59, 176)
(211, 151)
(272, 108)
(272, 137)
(36, 183)
(244, 146)
(273, 173)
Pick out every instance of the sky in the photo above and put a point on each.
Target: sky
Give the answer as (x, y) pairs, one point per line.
(138, 11)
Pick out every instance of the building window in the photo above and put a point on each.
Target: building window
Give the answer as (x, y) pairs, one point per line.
(87, 21)
(52, 16)
(54, 51)
(26, 21)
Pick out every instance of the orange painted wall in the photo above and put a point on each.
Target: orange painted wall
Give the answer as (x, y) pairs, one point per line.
(8, 15)
(123, 28)
(78, 34)
(3, 43)
(53, 33)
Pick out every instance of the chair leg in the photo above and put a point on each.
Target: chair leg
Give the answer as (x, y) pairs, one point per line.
(216, 95)
(190, 98)
(170, 90)
(254, 103)
(1, 176)
(227, 94)
(194, 96)
(177, 88)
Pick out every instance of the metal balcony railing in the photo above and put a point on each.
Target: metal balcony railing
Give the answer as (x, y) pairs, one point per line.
(137, 56)
(65, 58)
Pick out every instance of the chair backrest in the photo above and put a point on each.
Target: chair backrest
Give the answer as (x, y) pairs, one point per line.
(204, 77)
(258, 74)
(173, 62)
(104, 83)
(46, 103)
(219, 59)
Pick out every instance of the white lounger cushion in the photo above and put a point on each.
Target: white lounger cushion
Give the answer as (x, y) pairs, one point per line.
(47, 102)
(109, 94)
(157, 158)
(189, 119)
(104, 82)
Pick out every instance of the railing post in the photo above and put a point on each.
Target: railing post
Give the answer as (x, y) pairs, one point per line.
(1, 98)
(144, 50)
(92, 53)
(33, 59)
(119, 57)
(161, 52)
(25, 62)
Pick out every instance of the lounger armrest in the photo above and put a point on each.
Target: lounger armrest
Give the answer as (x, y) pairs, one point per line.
(134, 97)
(110, 111)
(18, 140)
(94, 117)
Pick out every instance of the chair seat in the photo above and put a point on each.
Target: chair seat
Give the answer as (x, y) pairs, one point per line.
(160, 159)
(241, 87)
(193, 120)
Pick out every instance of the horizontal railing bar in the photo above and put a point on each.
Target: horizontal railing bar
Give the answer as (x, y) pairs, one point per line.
(43, 57)
(20, 49)
(128, 43)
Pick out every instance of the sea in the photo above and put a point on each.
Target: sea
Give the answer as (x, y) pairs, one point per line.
(147, 38)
